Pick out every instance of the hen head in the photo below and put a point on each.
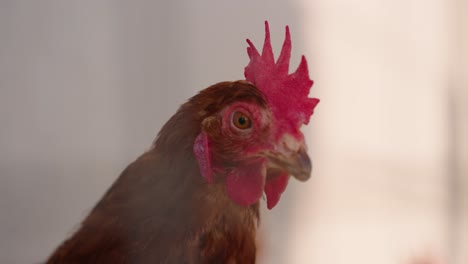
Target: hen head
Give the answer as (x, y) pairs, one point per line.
(250, 130)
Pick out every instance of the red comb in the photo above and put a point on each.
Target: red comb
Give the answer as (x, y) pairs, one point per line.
(287, 94)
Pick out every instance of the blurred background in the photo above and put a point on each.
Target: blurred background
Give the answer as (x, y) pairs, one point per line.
(86, 85)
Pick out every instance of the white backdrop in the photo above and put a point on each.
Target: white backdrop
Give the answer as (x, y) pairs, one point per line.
(86, 85)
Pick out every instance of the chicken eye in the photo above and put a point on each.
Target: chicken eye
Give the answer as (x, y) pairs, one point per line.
(241, 120)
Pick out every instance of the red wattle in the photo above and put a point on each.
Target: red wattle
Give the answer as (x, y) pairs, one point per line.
(274, 188)
(245, 185)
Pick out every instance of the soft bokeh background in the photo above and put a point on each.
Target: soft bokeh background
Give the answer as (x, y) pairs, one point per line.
(86, 85)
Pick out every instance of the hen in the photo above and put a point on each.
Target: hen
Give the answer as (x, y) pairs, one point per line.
(194, 196)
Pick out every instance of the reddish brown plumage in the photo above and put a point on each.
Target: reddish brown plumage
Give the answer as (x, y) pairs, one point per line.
(161, 210)
(193, 197)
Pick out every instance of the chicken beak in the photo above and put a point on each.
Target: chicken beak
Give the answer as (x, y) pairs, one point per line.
(291, 157)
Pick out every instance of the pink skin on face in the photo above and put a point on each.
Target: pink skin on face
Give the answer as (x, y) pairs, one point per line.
(246, 182)
(252, 140)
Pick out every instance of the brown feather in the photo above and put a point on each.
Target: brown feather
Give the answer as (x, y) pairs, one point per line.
(161, 210)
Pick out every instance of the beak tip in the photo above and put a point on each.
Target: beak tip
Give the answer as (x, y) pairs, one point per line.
(302, 176)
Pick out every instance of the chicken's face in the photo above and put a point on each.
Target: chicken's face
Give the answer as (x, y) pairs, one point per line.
(251, 136)
(263, 161)
(244, 145)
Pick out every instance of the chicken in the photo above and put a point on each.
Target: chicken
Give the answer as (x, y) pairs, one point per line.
(194, 196)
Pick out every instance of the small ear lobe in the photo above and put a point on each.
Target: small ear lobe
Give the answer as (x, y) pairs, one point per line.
(203, 155)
